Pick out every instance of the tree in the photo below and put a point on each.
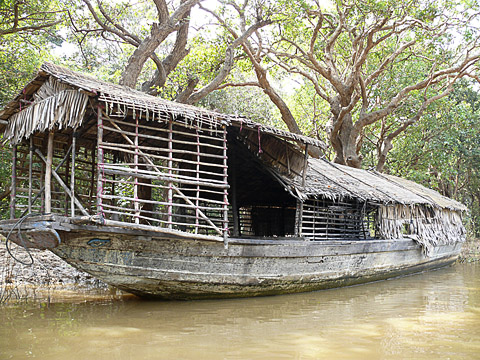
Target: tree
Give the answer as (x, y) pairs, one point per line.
(27, 32)
(170, 19)
(26, 16)
(443, 151)
(369, 59)
(233, 16)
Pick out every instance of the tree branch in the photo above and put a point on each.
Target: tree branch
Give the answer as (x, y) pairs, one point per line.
(227, 65)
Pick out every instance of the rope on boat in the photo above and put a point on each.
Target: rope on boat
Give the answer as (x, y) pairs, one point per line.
(20, 235)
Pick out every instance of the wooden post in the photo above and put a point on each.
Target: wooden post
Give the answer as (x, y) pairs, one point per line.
(42, 196)
(135, 186)
(67, 180)
(305, 166)
(93, 186)
(198, 179)
(225, 191)
(48, 174)
(114, 178)
(72, 174)
(13, 191)
(60, 181)
(170, 173)
(30, 174)
(233, 183)
(99, 160)
(298, 218)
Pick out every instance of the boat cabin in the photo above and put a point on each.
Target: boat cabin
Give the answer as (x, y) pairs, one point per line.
(90, 152)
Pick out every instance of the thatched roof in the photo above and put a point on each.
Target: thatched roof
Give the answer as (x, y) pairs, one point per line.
(322, 179)
(335, 181)
(121, 97)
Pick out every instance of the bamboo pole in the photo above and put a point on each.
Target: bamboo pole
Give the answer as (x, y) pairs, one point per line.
(146, 174)
(160, 230)
(149, 161)
(30, 175)
(298, 218)
(113, 181)
(67, 180)
(159, 149)
(48, 173)
(72, 175)
(170, 172)
(135, 186)
(93, 170)
(117, 148)
(122, 165)
(99, 160)
(190, 206)
(42, 187)
(198, 180)
(13, 191)
(177, 132)
(60, 181)
(225, 194)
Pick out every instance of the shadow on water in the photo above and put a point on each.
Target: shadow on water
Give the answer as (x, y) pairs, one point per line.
(431, 315)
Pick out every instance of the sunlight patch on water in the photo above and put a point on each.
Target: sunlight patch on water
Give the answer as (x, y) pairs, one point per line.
(109, 332)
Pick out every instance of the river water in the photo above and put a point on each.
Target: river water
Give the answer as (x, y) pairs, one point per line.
(434, 315)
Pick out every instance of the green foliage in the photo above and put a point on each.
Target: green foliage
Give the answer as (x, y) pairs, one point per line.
(22, 52)
(246, 102)
(28, 33)
(443, 151)
(205, 57)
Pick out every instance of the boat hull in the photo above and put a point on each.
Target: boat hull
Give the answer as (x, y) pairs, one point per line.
(179, 268)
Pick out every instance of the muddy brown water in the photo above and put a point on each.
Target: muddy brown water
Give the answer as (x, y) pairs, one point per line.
(434, 315)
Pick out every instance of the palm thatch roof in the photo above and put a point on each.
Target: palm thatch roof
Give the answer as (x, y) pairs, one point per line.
(334, 181)
(119, 98)
(57, 97)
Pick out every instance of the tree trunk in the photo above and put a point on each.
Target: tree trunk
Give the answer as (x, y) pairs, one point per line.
(382, 152)
(344, 141)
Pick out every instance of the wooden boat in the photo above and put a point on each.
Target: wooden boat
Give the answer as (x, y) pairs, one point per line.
(167, 200)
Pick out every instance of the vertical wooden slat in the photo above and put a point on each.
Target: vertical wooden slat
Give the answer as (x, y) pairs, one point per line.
(48, 174)
(198, 179)
(42, 196)
(99, 160)
(72, 174)
(30, 175)
(13, 191)
(135, 186)
(298, 218)
(67, 181)
(225, 191)
(170, 173)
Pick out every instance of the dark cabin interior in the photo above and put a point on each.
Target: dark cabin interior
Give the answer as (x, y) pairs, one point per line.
(265, 208)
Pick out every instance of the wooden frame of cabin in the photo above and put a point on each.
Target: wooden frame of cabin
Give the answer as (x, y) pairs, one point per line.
(97, 153)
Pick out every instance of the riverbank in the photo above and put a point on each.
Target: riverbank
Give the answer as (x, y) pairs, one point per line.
(470, 251)
(44, 269)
